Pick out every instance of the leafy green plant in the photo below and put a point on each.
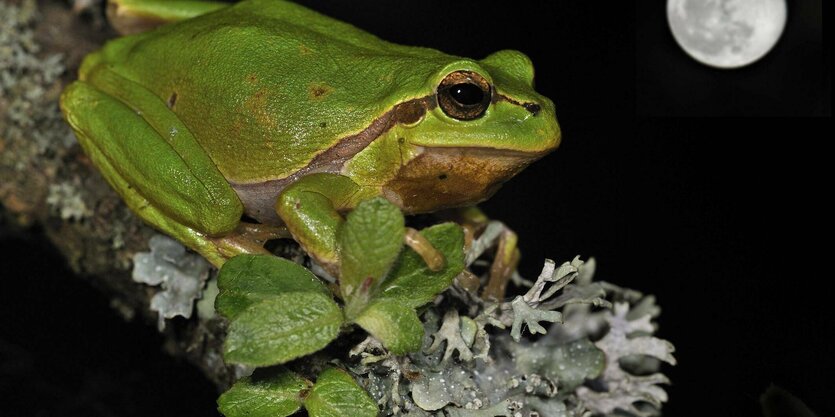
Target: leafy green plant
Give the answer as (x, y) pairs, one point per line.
(601, 356)
(279, 311)
(277, 391)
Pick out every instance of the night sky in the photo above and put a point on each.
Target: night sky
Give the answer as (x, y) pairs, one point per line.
(715, 216)
(788, 81)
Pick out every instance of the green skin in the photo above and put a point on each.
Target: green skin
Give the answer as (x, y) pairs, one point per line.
(269, 109)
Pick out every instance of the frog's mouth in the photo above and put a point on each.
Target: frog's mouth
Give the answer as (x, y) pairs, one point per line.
(453, 177)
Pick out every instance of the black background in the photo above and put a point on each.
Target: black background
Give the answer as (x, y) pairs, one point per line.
(789, 81)
(716, 218)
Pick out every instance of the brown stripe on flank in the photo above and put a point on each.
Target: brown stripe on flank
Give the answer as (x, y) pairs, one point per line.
(406, 113)
(259, 198)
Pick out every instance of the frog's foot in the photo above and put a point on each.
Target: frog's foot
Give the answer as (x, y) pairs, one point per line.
(248, 238)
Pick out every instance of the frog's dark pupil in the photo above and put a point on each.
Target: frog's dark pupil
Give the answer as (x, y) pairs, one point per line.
(466, 93)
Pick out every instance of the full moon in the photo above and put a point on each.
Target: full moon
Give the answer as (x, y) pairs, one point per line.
(726, 33)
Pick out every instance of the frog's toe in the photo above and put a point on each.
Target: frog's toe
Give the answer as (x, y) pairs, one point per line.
(433, 257)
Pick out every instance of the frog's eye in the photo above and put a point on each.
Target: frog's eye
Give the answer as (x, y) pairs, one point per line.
(464, 95)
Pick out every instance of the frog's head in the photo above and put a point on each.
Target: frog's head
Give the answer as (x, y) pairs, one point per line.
(482, 124)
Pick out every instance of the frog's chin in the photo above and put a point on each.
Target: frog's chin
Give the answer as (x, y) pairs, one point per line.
(441, 177)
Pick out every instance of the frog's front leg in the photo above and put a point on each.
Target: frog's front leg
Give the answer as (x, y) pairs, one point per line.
(504, 264)
(154, 162)
(311, 206)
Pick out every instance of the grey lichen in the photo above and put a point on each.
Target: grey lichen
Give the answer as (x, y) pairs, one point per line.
(28, 84)
(180, 274)
(538, 305)
(456, 333)
(523, 313)
(621, 388)
(566, 364)
(585, 366)
(64, 200)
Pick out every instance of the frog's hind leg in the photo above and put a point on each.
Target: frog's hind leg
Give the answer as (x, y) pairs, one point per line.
(136, 16)
(151, 159)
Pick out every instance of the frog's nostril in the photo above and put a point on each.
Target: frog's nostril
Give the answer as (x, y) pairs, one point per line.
(533, 108)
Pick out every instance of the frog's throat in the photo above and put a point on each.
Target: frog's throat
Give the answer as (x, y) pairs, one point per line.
(259, 198)
(445, 177)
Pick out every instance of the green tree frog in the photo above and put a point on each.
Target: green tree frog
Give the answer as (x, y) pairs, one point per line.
(267, 110)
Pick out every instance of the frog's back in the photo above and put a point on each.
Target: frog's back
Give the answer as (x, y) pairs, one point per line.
(267, 85)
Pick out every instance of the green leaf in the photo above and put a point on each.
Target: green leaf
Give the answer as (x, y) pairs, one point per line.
(396, 325)
(281, 328)
(267, 393)
(411, 282)
(247, 279)
(369, 242)
(336, 394)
